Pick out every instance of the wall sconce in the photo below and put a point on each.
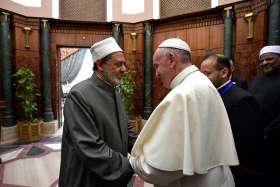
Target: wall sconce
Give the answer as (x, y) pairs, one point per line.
(250, 18)
(27, 31)
(133, 37)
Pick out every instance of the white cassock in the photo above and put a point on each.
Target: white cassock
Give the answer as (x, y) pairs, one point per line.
(187, 141)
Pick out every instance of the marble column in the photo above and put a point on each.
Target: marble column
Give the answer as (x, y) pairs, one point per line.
(6, 62)
(274, 23)
(117, 33)
(148, 70)
(45, 58)
(228, 30)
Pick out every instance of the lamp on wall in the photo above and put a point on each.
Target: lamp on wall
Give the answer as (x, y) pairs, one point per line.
(27, 31)
(133, 49)
(250, 18)
(133, 37)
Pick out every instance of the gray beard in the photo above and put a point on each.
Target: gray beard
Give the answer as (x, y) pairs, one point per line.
(109, 76)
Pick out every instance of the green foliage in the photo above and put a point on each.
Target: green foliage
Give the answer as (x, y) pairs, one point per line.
(26, 92)
(126, 89)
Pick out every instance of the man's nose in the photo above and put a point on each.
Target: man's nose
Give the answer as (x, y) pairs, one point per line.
(157, 74)
(123, 68)
(264, 62)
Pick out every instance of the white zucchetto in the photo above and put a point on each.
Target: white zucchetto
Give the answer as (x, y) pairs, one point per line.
(270, 49)
(104, 48)
(175, 43)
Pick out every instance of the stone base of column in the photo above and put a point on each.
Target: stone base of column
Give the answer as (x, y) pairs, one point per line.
(9, 135)
(49, 128)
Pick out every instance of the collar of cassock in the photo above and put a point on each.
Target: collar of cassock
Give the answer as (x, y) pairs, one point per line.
(182, 75)
(225, 88)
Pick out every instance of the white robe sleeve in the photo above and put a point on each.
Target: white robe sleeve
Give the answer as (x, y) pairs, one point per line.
(151, 174)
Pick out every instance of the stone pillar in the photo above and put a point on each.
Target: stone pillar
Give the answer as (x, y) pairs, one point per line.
(228, 16)
(45, 57)
(117, 33)
(6, 61)
(148, 72)
(274, 23)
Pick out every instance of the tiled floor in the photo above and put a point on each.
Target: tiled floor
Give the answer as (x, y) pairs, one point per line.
(35, 164)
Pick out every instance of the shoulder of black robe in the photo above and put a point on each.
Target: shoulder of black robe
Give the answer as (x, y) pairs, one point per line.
(247, 126)
(239, 80)
(92, 147)
(266, 89)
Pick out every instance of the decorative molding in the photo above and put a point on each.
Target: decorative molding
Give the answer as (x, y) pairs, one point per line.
(116, 27)
(148, 26)
(187, 23)
(4, 16)
(260, 5)
(80, 29)
(228, 11)
(20, 21)
(129, 28)
(255, 6)
(44, 23)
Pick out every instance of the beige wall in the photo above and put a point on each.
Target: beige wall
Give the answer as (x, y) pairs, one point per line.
(117, 14)
(44, 11)
(223, 2)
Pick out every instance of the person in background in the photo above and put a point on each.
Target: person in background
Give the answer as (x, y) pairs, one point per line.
(244, 116)
(266, 89)
(237, 78)
(96, 135)
(187, 140)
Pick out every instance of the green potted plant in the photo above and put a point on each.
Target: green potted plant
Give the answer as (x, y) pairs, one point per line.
(26, 94)
(126, 89)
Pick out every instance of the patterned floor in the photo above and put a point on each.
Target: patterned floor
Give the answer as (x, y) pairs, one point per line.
(34, 165)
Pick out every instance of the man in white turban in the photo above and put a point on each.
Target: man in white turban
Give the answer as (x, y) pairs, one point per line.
(96, 135)
(266, 89)
(187, 141)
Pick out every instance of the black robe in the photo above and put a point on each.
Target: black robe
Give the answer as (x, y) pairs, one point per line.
(266, 89)
(96, 137)
(244, 115)
(239, 80)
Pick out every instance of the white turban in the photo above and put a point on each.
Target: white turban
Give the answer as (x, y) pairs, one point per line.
(104, 48)
(270, 49)
(175, 43)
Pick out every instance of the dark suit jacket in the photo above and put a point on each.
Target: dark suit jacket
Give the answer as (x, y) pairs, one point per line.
(244, 115)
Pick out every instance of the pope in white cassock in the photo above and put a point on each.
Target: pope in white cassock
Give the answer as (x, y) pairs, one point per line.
(187, 141)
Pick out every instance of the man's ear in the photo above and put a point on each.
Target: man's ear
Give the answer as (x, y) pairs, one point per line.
(172, 58)
(225, 72)
(99, 66)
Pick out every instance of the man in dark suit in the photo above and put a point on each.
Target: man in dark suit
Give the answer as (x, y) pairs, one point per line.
(266, 89)
(243, 111)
